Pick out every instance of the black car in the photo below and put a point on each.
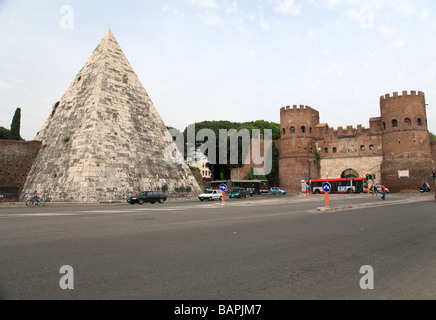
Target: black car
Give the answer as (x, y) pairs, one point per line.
(148, 196)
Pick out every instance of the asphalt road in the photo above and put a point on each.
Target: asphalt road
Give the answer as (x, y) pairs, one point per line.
(277, 249)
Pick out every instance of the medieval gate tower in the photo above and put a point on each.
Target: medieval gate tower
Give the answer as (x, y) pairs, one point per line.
(396, 147)
(297, 149)
(406, 141)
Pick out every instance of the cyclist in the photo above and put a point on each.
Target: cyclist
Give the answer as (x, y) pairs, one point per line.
(35, 198)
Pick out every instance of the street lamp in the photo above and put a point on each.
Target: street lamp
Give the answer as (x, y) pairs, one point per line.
(309, 150)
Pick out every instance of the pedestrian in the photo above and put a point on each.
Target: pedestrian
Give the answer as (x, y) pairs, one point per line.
(383, 190)
(374, 190)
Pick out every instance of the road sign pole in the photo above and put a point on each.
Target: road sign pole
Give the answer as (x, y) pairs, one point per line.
(327, 187)
(223, 188)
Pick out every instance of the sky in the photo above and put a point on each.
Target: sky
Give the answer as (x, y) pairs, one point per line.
(236, 60)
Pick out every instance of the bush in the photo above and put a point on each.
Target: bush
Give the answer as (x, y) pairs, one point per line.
(4, 134)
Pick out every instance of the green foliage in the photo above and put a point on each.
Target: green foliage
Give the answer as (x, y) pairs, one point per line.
(275, 164)
(223, 171)
(55, 107)
(183, 189)
(4, 134)
(251, 176)
(67, 139)
(432, 137)
(270, 177)
(14, 133)
(165, 188)
(197, 175)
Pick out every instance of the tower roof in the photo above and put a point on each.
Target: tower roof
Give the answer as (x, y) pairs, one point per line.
(105, 137)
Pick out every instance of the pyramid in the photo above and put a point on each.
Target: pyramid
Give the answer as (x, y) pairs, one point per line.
(104, 138)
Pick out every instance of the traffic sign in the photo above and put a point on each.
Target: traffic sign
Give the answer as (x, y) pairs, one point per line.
(326, 187)
(223, 187)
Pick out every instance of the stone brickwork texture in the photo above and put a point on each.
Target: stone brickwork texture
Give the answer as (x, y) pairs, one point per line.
(16, 159)
(105, 138)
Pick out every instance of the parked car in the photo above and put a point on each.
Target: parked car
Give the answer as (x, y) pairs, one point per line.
(263, 190)
(214, 195)
(275, 190)
(208, 190)
(238, 193)
(148, 196)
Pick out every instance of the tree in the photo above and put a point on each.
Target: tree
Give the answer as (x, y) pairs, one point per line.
(15, 126)
(250, 176)
(223, 171)
(4, 133)
(275, 164)
(432, 137)
(196, 172)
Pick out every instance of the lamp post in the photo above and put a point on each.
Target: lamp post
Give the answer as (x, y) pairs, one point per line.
(309, 149)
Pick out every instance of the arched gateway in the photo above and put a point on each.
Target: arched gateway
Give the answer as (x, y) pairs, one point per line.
(350, 173)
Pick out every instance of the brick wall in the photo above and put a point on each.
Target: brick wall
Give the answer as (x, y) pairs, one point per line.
(16, 159)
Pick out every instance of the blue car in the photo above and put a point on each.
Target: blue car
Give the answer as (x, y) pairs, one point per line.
(277, 191)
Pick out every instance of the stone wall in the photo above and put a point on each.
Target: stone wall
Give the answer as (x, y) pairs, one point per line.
(16, 159)
(362, 165)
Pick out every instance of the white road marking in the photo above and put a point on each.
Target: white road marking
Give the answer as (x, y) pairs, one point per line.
(103, 212)
(31, 215)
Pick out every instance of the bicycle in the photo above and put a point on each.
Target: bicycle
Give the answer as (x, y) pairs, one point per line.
(32, 202)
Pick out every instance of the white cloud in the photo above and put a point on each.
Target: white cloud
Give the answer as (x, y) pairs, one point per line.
(4, 85)
(210, 18)
(233, 8)
(286, 7)
(424, 15)
(385, 30)
(398, 44)
(206, 4)
(364, 15)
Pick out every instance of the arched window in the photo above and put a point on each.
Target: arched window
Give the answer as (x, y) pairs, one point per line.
(384, 125)
(292, 129)
(420, 122)
(303, 129)
(326, 150)
(408, 122)
(335, 150)
(371, 147)
(362, 148)
(395, 123)
(284, 131)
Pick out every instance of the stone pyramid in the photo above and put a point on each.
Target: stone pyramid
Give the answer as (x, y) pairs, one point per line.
(104, 139)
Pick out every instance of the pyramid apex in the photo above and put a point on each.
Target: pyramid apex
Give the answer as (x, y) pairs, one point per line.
(109, 34)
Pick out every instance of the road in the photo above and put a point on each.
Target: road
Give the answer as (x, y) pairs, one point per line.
(268, 249)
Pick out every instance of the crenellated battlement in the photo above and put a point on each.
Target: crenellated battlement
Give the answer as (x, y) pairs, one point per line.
(404, 94)
(325, 131)
(302, 109)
